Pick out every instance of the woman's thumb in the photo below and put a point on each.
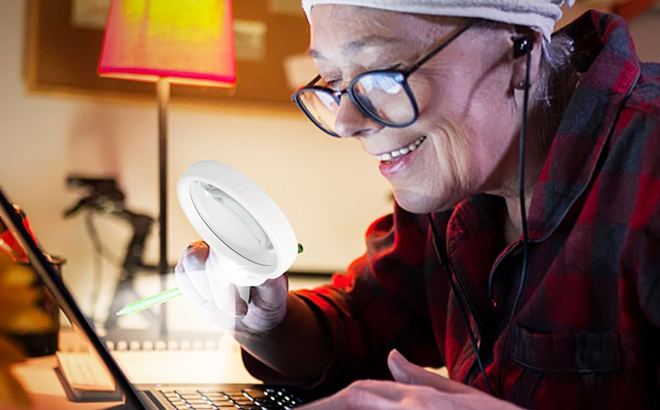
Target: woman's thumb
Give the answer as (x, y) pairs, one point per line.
(402, 370)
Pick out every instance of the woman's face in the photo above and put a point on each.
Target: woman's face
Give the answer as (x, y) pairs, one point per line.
(464, 135)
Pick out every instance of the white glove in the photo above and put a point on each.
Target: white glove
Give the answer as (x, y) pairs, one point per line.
(199, 275)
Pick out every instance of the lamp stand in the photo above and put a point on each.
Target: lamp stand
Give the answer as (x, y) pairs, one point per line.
(163, 93)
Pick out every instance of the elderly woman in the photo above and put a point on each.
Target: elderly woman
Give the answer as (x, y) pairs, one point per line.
(523, 252)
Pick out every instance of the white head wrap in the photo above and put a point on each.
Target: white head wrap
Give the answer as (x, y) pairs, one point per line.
(541, 14)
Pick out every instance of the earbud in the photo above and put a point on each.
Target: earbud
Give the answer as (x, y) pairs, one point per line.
(521, 46)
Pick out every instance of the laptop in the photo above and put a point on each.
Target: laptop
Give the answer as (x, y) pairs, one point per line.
(151, 396)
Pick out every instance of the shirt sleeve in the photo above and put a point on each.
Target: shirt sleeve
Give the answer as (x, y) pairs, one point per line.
(378, 304)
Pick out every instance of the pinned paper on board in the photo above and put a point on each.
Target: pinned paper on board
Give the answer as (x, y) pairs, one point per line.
(250, 39)
(89, 13)
(285, 7)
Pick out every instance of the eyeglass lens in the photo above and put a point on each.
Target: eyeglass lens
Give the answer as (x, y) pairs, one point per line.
(380, 95)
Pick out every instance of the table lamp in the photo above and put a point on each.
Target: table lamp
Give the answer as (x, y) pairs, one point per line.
(188, 42)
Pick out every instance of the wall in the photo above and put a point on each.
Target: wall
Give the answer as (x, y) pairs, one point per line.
(645, 30)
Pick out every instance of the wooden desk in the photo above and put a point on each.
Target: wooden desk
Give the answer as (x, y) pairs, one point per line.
(38, 377)
(43, 387)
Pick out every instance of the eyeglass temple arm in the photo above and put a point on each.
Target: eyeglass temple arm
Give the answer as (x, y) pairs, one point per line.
(314, 81)
(440, 47)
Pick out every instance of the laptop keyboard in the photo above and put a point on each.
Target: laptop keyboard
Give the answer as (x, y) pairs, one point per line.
(248, 399)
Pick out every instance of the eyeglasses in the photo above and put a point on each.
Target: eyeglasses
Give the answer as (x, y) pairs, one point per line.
(383, 96)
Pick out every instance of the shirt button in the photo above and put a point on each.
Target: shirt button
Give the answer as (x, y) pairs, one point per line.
(494, 302)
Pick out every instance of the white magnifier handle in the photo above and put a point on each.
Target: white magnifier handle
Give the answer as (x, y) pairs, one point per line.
(244, 293)
(224, 266)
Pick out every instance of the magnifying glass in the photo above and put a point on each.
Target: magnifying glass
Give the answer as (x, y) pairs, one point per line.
(242, 225)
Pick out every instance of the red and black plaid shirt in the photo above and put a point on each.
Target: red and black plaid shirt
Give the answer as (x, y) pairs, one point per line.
(586, 334)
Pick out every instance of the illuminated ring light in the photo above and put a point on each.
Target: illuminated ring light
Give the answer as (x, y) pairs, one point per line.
(238, 221)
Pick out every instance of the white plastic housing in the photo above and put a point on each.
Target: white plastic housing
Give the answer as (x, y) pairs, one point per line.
(239, 222)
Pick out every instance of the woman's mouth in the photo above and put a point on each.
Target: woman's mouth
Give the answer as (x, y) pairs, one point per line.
(396, 155)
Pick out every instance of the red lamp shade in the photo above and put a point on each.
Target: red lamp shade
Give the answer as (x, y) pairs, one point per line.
(186, 41)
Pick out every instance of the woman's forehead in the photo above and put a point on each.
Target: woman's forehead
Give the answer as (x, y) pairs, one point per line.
(350, 29)
(355, 20)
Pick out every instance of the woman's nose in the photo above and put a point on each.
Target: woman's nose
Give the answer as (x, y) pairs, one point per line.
(351, 122)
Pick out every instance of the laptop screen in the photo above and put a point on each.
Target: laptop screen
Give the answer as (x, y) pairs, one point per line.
(54, 283)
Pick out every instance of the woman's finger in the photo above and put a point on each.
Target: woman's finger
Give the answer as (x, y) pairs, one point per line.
(405, 372)
(362, 395)
(194, 265)
(225, 294)
(189, 273)
(267, 304)
(186, 286)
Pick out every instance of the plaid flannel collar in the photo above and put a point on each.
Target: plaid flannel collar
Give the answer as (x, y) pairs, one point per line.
(610, 71)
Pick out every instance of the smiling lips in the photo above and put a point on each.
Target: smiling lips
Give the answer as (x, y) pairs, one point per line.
(394, 156)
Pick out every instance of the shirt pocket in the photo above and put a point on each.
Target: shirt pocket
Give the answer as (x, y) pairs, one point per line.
(581, 353)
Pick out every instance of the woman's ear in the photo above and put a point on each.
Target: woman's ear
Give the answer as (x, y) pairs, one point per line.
(523, 43)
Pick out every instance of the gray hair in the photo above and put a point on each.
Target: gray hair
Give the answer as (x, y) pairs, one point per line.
(556, 70)
(554, 66)
(556, 82)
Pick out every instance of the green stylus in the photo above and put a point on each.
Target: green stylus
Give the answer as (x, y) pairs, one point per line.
(146, 303)
(154, 300)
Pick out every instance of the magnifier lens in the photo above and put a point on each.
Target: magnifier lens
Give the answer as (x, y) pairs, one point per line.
(232, 223)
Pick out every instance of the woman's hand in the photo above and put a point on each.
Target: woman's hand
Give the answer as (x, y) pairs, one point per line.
(199, 276)
(413, 388)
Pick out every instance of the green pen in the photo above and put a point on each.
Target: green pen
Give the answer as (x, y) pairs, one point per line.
(154, 300)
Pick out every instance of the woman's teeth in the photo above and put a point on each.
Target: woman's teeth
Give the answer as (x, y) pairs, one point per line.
(401, 152)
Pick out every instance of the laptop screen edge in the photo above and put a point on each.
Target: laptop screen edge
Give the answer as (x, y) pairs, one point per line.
(66, 301)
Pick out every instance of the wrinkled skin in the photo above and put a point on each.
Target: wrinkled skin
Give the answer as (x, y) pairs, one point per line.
(470, 109)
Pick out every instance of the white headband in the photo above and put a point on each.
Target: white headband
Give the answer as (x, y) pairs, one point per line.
(541, 14)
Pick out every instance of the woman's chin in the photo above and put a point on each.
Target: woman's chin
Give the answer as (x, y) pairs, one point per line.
(418, 203)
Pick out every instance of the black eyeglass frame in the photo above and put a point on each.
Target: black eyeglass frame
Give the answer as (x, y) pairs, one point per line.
(400, 76)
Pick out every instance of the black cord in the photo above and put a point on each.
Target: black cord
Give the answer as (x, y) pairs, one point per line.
(446, 265)
(98, 246)
(98, 265)
(523, 216)
(444, 260)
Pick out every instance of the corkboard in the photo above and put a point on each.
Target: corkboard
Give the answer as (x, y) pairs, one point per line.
(62, 57)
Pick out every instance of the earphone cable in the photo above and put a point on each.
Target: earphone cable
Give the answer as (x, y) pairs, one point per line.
(443, 258)
(523, 216)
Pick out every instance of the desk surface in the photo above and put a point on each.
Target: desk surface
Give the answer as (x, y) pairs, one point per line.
(38, 377)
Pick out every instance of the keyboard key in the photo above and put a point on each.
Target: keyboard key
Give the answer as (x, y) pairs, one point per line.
(255, 393)
(243, 401)
(197, 401)
(191, 395)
